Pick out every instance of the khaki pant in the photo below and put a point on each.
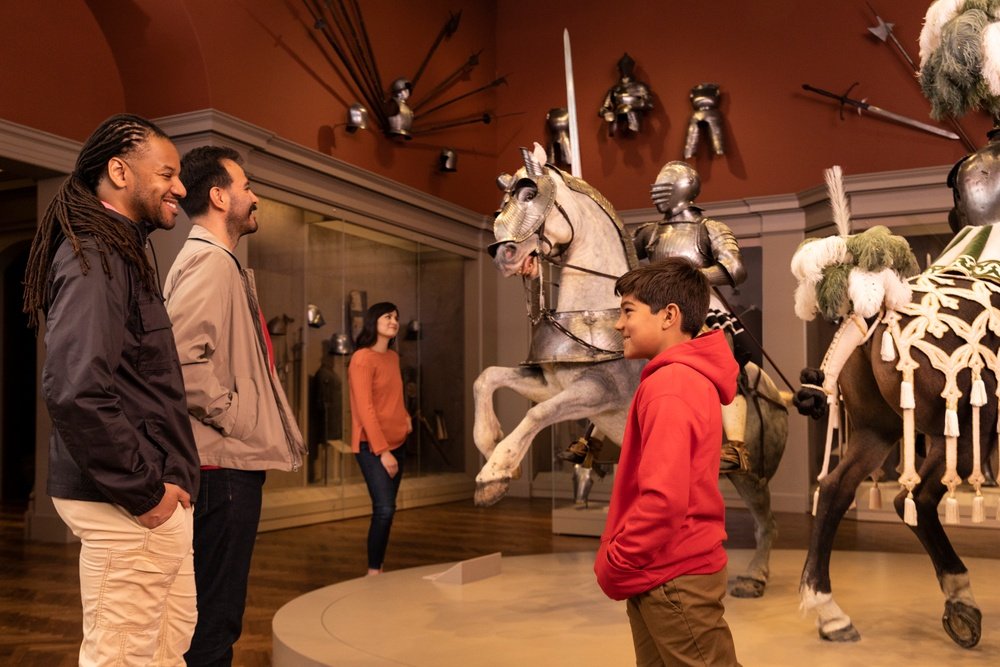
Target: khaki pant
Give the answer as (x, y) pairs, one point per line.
(136, 585)
(680, 623)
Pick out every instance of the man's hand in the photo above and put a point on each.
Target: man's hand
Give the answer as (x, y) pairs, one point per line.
(172, 496)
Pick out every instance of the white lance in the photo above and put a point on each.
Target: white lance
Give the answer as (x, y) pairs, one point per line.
(574, 135)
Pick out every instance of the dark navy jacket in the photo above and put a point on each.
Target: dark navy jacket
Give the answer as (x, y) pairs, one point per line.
(113, 386)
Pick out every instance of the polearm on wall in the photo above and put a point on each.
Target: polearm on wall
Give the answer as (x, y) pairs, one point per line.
(863, 105)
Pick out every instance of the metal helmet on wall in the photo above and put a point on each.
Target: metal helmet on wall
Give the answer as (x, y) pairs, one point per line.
(357, 118)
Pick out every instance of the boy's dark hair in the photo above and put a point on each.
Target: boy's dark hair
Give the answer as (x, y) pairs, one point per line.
(673, 280)
(202, 170)
(369, 330)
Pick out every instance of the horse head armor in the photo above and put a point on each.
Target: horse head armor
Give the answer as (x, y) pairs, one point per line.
(528, 198)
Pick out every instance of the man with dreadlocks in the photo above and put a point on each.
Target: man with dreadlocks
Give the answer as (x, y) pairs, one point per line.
(123, 467)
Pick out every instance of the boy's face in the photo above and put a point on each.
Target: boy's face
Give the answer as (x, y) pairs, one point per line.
(644, 331)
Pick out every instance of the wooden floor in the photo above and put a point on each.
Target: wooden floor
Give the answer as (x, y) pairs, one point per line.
(39, 594)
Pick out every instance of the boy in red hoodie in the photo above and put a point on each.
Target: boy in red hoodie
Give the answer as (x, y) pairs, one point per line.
(662, 545)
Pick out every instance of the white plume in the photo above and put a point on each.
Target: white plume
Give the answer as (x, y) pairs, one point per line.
(937, 15)
(991, 57)
(866, 291)
(898, 292)
(815, 255)
(838, 199)
(806, 305)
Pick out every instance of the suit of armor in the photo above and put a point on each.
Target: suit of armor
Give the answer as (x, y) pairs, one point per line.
(711, 246)
(557, 121)
(400, 114)
(626, 101)
(705, 100)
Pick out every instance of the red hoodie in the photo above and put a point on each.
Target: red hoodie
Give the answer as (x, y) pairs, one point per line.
(667, 516)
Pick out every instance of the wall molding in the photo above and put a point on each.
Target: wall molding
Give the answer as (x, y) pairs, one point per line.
(37, 147)
(899, 198)
(329, 185)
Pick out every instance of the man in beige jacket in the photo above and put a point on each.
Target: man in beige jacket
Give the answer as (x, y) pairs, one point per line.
(241, 420)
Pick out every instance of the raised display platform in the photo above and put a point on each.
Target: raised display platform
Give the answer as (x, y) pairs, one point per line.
(547, 610)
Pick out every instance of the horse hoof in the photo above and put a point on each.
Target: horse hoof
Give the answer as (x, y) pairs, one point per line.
(748, 587)
(489, 493)
(963, 623)
(846, 634)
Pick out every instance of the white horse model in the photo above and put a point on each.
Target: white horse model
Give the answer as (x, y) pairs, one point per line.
(576, 369)
(567, 379)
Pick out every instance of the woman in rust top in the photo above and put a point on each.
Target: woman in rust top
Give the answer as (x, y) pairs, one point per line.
(379, 421)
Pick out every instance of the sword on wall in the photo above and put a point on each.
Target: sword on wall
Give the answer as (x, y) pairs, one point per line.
(863, 105)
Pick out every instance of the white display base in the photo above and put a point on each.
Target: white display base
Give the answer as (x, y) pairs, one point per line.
(887, 514)
(573, 520)
(547, 610)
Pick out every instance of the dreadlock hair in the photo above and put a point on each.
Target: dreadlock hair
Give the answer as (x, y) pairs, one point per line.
(77, 211)
(202, 170)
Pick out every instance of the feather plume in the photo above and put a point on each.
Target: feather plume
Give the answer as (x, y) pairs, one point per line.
(898, 292)
(831, 293)
(866, 291)
(814, 255)
(991, 57)
(805, 302)
(838, 199)
(937, 15)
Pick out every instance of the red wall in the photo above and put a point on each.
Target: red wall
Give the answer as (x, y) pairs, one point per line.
(65, 65)
(780, 137)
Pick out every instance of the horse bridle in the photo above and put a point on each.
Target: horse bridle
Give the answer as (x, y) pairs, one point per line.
(557, 250)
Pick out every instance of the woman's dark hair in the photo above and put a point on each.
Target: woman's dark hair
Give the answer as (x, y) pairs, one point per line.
(76, 211)
(369, 332)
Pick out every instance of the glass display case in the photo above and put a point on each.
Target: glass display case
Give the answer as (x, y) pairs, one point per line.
(316, 277)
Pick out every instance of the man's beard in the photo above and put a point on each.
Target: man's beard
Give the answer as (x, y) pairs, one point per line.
(151, 210)
(242, 224)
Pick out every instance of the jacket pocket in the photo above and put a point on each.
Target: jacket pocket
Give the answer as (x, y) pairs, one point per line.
(247, 412)
(157, 351)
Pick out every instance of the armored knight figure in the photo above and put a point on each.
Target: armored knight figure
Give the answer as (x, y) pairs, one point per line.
(710, 245)
(705, 100)
(400, 114)
(558, 150)
(626, 102)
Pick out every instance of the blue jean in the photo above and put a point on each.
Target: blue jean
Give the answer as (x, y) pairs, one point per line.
(225, 530)
(383, 490)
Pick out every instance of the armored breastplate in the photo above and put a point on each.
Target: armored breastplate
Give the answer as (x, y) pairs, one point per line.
(582, 336)
(681, 239)
(401, 121)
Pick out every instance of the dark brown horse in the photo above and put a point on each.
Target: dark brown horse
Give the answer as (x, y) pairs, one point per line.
(958, 317)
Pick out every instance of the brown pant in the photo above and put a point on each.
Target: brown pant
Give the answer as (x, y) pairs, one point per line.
(680, 623)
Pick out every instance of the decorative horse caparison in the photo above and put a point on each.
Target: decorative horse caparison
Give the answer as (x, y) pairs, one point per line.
(928, 366)
(577, 370)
